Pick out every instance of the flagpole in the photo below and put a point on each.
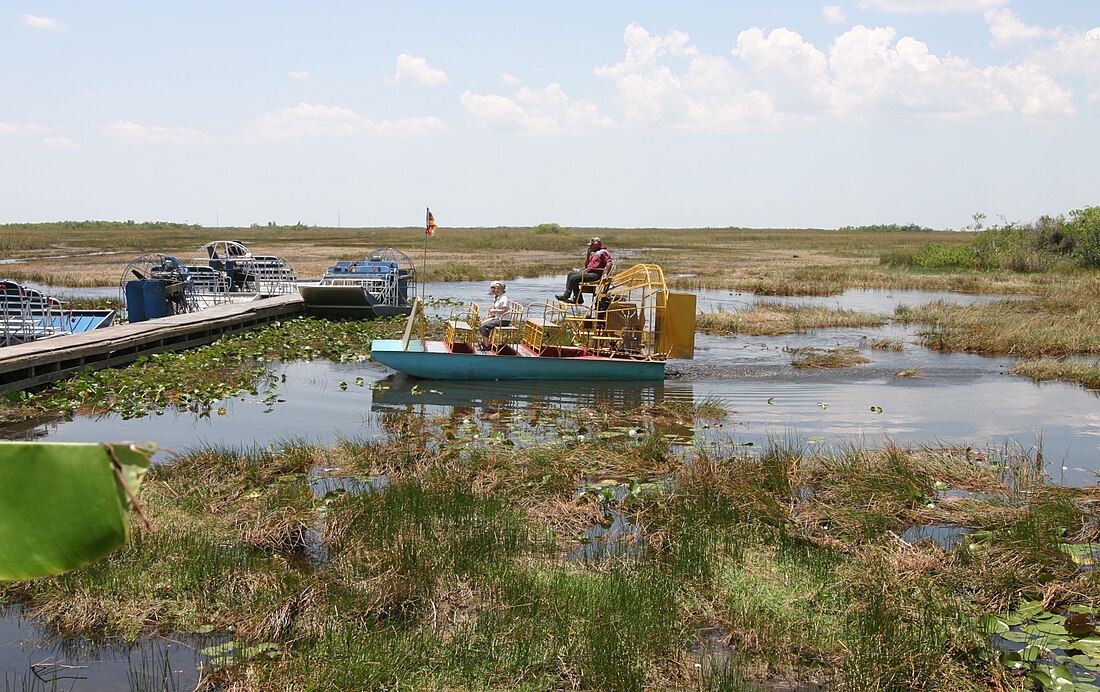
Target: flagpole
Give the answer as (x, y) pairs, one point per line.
(424, 261)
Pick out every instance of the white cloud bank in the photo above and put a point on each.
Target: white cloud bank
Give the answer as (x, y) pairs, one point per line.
(833, 14)
(24, 130)
(307, 120)
(44, 23)
(536, 111)
(60, 143)
(779, 78)
(417, 71)
(300, 75)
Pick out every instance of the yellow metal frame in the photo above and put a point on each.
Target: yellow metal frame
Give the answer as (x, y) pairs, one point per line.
(509, 335)
(630, 316)
(462, 324)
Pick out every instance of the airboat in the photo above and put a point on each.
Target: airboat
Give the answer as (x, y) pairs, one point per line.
(27, 314)
(223, 271)
(379, 285)
(627, 332)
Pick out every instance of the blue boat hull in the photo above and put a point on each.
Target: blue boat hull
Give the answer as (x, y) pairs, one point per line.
(432, 360)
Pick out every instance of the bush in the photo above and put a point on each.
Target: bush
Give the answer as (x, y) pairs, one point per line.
(1083, 235)
(549, 229)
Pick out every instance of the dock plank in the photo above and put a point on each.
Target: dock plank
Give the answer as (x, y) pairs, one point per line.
(46, 360)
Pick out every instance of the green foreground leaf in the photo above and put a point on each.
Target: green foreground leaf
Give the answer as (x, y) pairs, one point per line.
(64, 505)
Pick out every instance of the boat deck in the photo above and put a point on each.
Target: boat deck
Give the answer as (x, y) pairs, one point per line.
(39, 362)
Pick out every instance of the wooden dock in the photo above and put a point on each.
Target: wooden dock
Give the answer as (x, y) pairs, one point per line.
(54, 358)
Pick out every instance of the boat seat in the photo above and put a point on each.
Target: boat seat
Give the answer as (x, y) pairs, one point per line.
(510, 334)
(462, 324)
(592, 287)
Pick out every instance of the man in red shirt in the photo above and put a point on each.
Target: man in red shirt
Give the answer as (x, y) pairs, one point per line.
(597, 264)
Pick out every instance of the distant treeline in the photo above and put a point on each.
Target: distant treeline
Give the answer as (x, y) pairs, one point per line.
(888, 228)
(1052, 242)
(99, 225)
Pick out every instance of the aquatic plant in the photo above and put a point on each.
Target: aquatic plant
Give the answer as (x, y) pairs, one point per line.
(811, 357)
(196, 379)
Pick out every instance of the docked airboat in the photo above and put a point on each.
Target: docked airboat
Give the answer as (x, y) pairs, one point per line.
(222, 271)
(627, 331)
(382, 284)
(27, 314)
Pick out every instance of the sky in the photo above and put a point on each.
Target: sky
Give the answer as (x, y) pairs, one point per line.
(586, 113)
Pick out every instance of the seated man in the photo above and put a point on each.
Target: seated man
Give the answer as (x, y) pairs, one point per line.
(598, 262)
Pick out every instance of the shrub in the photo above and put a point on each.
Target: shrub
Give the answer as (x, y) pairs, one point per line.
(549, 229)
(1083, 234)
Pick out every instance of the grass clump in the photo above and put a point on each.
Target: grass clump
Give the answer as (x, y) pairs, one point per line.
(809, 357)
(772, 319)
(1043, 327)
(1045, 369)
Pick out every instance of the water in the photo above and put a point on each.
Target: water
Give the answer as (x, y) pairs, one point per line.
(954, 399)
(33, 659)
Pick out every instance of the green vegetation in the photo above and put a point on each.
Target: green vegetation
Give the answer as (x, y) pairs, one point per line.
(440, 559)
(1043, 369)
(64, 505)
(1049, 243)
(195, 380)
(1051, 326)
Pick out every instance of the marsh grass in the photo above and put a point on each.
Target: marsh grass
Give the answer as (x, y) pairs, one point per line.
(1045, 327)
(1046, 369)
(888, 345)
(772, 319)
(455, 573)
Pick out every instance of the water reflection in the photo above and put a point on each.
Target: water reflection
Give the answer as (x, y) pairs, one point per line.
(32, 658)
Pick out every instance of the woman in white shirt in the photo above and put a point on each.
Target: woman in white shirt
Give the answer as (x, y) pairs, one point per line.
(495, 315)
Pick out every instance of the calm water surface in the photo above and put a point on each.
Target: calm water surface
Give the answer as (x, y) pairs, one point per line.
(956, 399)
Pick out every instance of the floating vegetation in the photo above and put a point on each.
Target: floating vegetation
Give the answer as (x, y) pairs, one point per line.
(888, 345)
(810, 357)
(196, 379)
(1056, 650)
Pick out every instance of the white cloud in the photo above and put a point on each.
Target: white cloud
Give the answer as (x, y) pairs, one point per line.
(308, 120)
(23, 130)
(1033, 92)
(1007, 30)
(925, 6)
(793, 72)
(60, 143)
(126, 131)
(508, 80)
(44, 23)
(538, 111)
(781, 78)
(833, 14)
(1073, 53)
(707, 92)
(301, 75)
(417, 71)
